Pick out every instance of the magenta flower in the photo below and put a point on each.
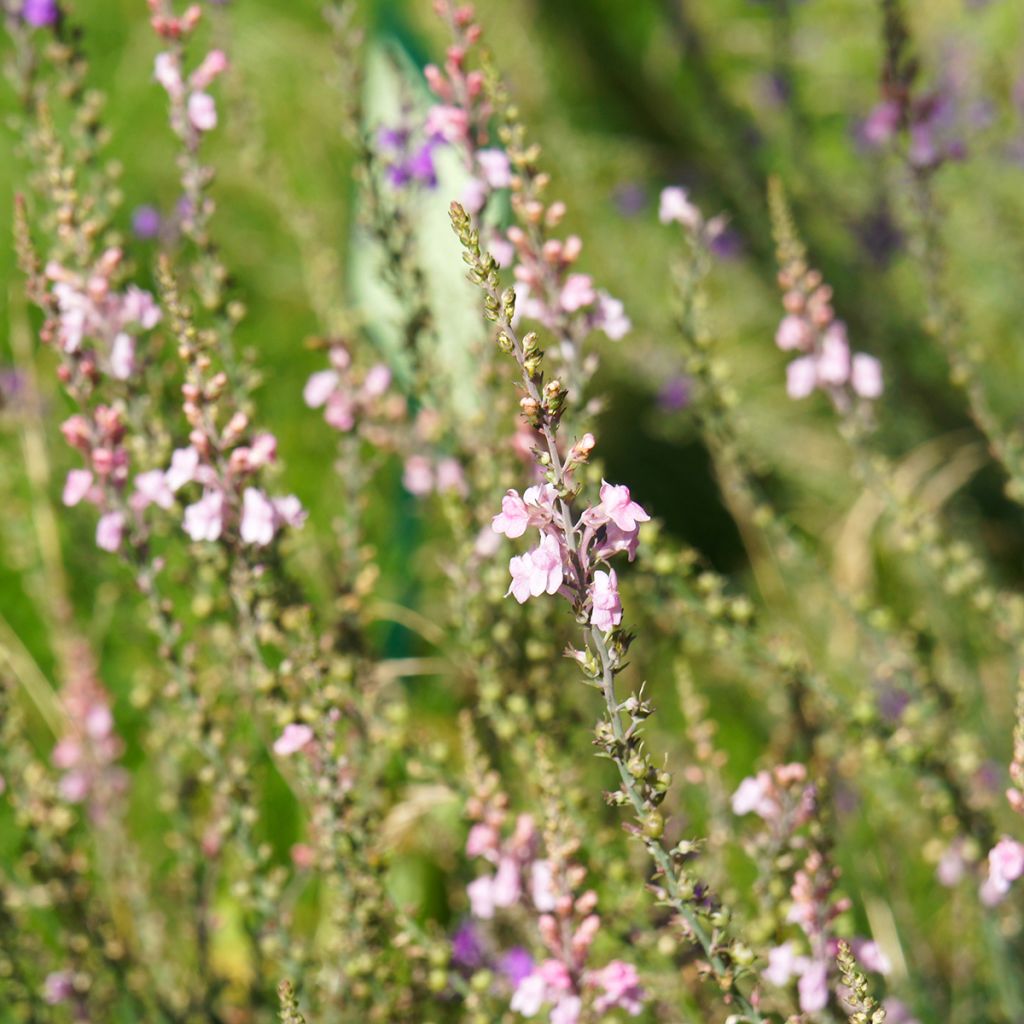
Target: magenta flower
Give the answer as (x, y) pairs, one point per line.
(293, 738)
(40, 13)
(606, 613)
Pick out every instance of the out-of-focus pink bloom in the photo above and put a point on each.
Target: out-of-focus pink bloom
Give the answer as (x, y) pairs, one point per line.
(418, 477)
(866, 376)
(202, 112)
(567, 1010)
(801, 377)
(319, 388)
(258, 519)
(482, 841)
(794, 333)
(184, 466)
(606, 613)
(495, 167)
(168, 74)
(288, 511)
(675, 206)
(451, 123)
(952, 865)
(378, 380)
(611, 317)
(783, 965)
(215, 63)
(76, 486)
(110, 531)
(577, 292)
(542, 890)
(138, 307)
(507, 889)
(834, 358)
(474, 195)
(40, 13)
(870, 956)
(341, 411)
(481, 897)
(755, 794)
(204, 520)
(151, 488)
(450, 477)
(1005, 866)
(621, 986)
(882, 123)
(813, 987)
(58, 987)
(530, 995)
(122, 356)
(294, 737)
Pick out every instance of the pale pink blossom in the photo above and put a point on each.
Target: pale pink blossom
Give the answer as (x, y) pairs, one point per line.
(451, 123)
(474, 195)
(801, 377)
(184, 466)
(215, 63)
(542, 890)
(546, 566)
(1005, 866)
(481, 897)
(606, 612)
(834, 358)
(495, 167)
(341, 411)
(76, 486)
(521, 568)
(294, 737)
(794, 333)
(482, 841)
(122, 356)
(168, 74)
(319, 388)
(138, 307)
(813, 987)
(151, 488)
(204, 520)
(866, 376)
(617, 506)
(755, 794)
(110, 531)
(288, 511)
(418, 477)
(202, 112)
(530, 995)
(783, 965)
(258, 519)
(450, 477)
(611, 317)
(577, 292)
(621, 986)
(566, 1011)
(514, 517)
(377, 381)
(675, 205)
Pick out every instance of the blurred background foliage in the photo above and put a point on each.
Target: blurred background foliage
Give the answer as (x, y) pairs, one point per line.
(625, 98)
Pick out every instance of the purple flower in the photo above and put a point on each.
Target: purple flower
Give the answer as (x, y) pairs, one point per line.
(146, 222)
(40, 13)
(516, 965)
(466, 948)
(675, 394)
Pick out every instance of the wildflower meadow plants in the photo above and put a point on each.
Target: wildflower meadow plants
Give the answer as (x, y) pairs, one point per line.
(462, 559)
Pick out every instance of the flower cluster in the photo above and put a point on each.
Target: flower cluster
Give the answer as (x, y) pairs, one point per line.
(611, 526)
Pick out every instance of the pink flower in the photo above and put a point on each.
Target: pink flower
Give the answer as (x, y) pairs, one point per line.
(566, 1011)
(184, 465)
(618, 506)
(378, 380)
(481, 897)
(793, 333)
(76, 486)
(341, 411)
(202, 112)
(512, 520)
(870, 956)
(110, 530)
(482, 841)
(151, 489)
(293, 738)
(611, 317)
(451, 123)
(418, 477)
(834, 358)
(617, 540)
(675, 206)
(546, 561)
(755, 793)
(474, 195)
(138, 307)
(813, 987)
(607, 608)
(122, 356)
(450, 477)
(204, 519)
(521, 568)
(783, 965)
(577, 292)
(495, 167)
(288, 511)
(506, 889)
(542, 891)
(530, 995)
(1005, 866)
(319, 388)
(621, 986)
(882, 123)
(801, 377)
(258, 519)
(58, 987)
(167, 73)
(866, 376)
(214, 63)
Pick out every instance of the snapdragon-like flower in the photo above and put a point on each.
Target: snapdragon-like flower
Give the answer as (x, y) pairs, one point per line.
(1005, 866)
(675, 206)
(606, 611)
(40, 13)
(294, 737)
